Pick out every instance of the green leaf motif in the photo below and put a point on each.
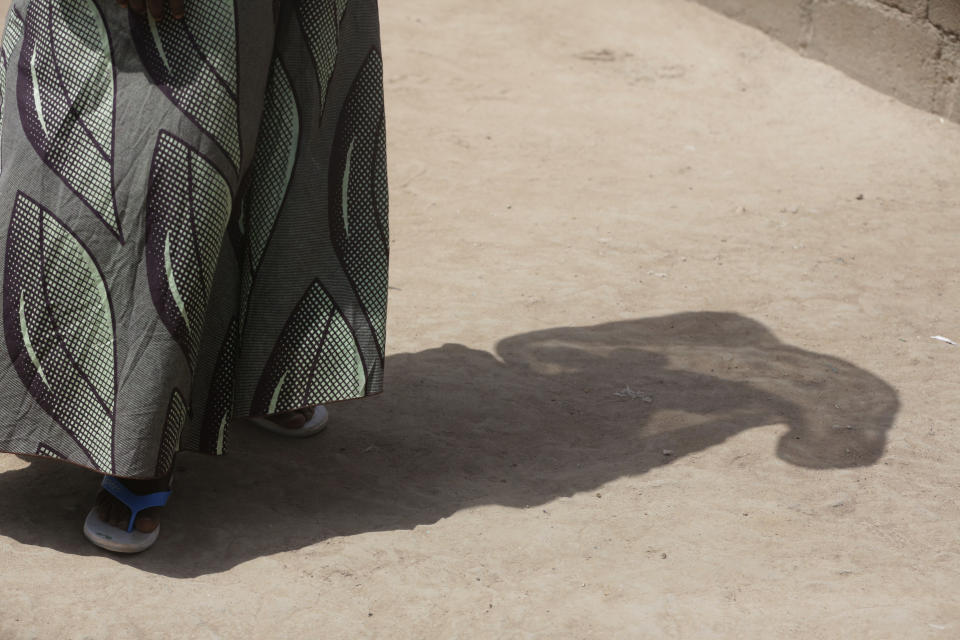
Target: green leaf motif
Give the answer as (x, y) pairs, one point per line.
(11, 38)
(270, 174)
(194, 63)
(320, 22)
(47, 451)
(59, 329)
(220, 400)
(172, 429)
(188, 207)
(358, 201)
(66, 98)
(316, 359)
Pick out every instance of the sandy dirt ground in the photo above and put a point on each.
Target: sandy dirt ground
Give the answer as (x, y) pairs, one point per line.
(660, 366)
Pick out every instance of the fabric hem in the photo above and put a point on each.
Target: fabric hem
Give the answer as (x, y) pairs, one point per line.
(206, 453)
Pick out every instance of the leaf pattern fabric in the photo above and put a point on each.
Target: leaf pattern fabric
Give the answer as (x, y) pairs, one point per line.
(10, 40)
(195, 223)
(270, 175)
(194, 62)
(358, 194)
(58, 326)
(320, 21)
(188, 207)
(220, 406)
(66, 99)
(49, 452)
(316, 360)
(176, 419)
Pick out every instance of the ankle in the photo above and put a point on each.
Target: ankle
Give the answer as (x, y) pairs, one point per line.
(148, 485)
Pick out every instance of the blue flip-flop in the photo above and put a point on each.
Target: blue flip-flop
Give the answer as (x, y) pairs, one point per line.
(129, 540)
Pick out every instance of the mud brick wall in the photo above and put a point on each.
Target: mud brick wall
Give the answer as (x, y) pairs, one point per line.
(909, 49)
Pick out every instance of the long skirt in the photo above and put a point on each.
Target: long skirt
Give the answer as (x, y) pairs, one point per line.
(194, 222)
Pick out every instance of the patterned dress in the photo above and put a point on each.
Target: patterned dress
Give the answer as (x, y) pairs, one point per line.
(193, 222)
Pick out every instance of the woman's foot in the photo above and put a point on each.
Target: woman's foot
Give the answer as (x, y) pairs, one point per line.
(117, 514)
(293, 419)
(298, 423)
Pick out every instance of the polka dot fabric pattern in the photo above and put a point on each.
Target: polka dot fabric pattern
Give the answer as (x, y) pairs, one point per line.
(193, 223)
(47, 452)
(220, 401)
(172, 430)
(317, 356)
(188, 207)
(358, 177)
(194, 62)
(58, 325)
(270, 174)
(10, 40)
(65, 93)
(320, 21)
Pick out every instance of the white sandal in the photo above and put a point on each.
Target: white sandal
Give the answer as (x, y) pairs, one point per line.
(313, 426)
(128, 540)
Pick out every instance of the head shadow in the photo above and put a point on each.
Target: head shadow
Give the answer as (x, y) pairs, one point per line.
(550, 414)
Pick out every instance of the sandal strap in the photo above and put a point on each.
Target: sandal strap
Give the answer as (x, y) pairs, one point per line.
(134, 501)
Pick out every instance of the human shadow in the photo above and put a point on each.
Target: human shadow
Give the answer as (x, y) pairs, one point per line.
(549, 414)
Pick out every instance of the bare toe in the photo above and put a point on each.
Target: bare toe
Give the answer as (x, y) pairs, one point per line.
(113, 514)
(103, 506)
(146, 521)
(288, 419)
(296, 421)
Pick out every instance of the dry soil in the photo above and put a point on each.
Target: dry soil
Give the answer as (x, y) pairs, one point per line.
(660, 365)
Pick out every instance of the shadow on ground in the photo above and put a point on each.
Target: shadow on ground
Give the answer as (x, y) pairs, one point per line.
(552, 413)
